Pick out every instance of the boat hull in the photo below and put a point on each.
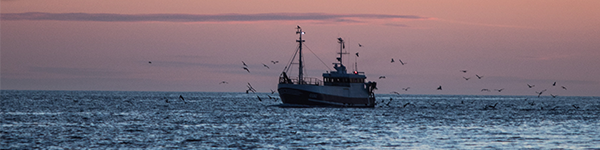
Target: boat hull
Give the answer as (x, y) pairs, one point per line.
(315, 96)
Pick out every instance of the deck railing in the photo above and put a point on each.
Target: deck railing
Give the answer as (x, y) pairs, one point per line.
(306, 80)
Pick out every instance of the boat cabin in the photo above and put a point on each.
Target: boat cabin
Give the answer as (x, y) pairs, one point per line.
(341, 78)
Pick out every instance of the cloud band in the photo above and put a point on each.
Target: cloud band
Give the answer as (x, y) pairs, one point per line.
(107, 17)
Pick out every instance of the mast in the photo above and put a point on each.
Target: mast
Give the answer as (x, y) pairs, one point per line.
(342, 46)
(300, 65)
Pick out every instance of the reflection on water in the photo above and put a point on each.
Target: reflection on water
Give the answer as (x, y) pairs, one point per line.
(92, 119)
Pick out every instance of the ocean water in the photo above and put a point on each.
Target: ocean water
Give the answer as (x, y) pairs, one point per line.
(102, 119)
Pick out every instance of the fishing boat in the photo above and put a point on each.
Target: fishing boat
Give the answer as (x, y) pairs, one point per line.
(337, 87)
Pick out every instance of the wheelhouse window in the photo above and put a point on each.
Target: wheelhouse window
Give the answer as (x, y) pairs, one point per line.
(344, 80)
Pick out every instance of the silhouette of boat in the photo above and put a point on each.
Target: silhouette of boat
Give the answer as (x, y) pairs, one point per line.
(337, 88)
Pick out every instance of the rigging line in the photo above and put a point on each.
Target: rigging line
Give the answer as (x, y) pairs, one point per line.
(318, 57)
(291, 60)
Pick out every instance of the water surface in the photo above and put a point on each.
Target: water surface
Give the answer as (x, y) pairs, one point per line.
(101, 119)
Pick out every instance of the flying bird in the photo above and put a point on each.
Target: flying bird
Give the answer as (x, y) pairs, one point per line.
(486, 90)
(224, 82)
(388, 103)
(553, 96)
(396, 92)
(381, 77)
(493, 107)
(266, 66)
(406, 104)
(246, 68)
(439, 88)
(401, 62)
(181, 97)
(540, 93)
(554, 84)
(149, 62)
(464, 71)
(530, 86)
(406, 89)
(356, 54)
(564, 87)
(250, 88)
(392, 60)
(274, 62)
(359, 45)
(466, 78)
(244, 64)
(478, 76)
(259, 99)
(499, 90)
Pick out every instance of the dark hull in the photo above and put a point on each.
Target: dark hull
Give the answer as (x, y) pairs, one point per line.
(303, 97)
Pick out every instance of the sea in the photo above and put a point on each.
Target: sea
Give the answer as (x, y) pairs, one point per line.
(215, 120)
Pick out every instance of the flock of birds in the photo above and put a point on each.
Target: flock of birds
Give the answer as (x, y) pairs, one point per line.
(245, 67)
(249, 86)
(439, 88)
(486, 89)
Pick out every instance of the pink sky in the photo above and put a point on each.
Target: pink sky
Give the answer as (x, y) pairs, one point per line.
(194, 45)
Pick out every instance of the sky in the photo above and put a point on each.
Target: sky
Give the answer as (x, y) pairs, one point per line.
(195, 45)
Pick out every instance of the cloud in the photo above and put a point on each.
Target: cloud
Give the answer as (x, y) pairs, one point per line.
(395, 25)
(107, 17)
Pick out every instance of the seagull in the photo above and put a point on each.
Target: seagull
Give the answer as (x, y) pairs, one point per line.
(388, 104)
(359, 45)
(530, 86)
(396, 92)
(224, 82)
(553, 96)
(466, 78)
(439, 88)
(357, 54)
(406, 104)
(499, 90)
(478, 76)
(181, 97)
(274, 62)
(381, 77)
(401, 62)
(250, 88)
(406, 89)
(564, 87)
(266, 66)
(554, 84)
(493, 107)
(540, 93)
(392, 60)
(244, 64)
(464, 71)
(246, 68)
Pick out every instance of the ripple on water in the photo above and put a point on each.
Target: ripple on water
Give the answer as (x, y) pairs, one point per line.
(89, 119)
